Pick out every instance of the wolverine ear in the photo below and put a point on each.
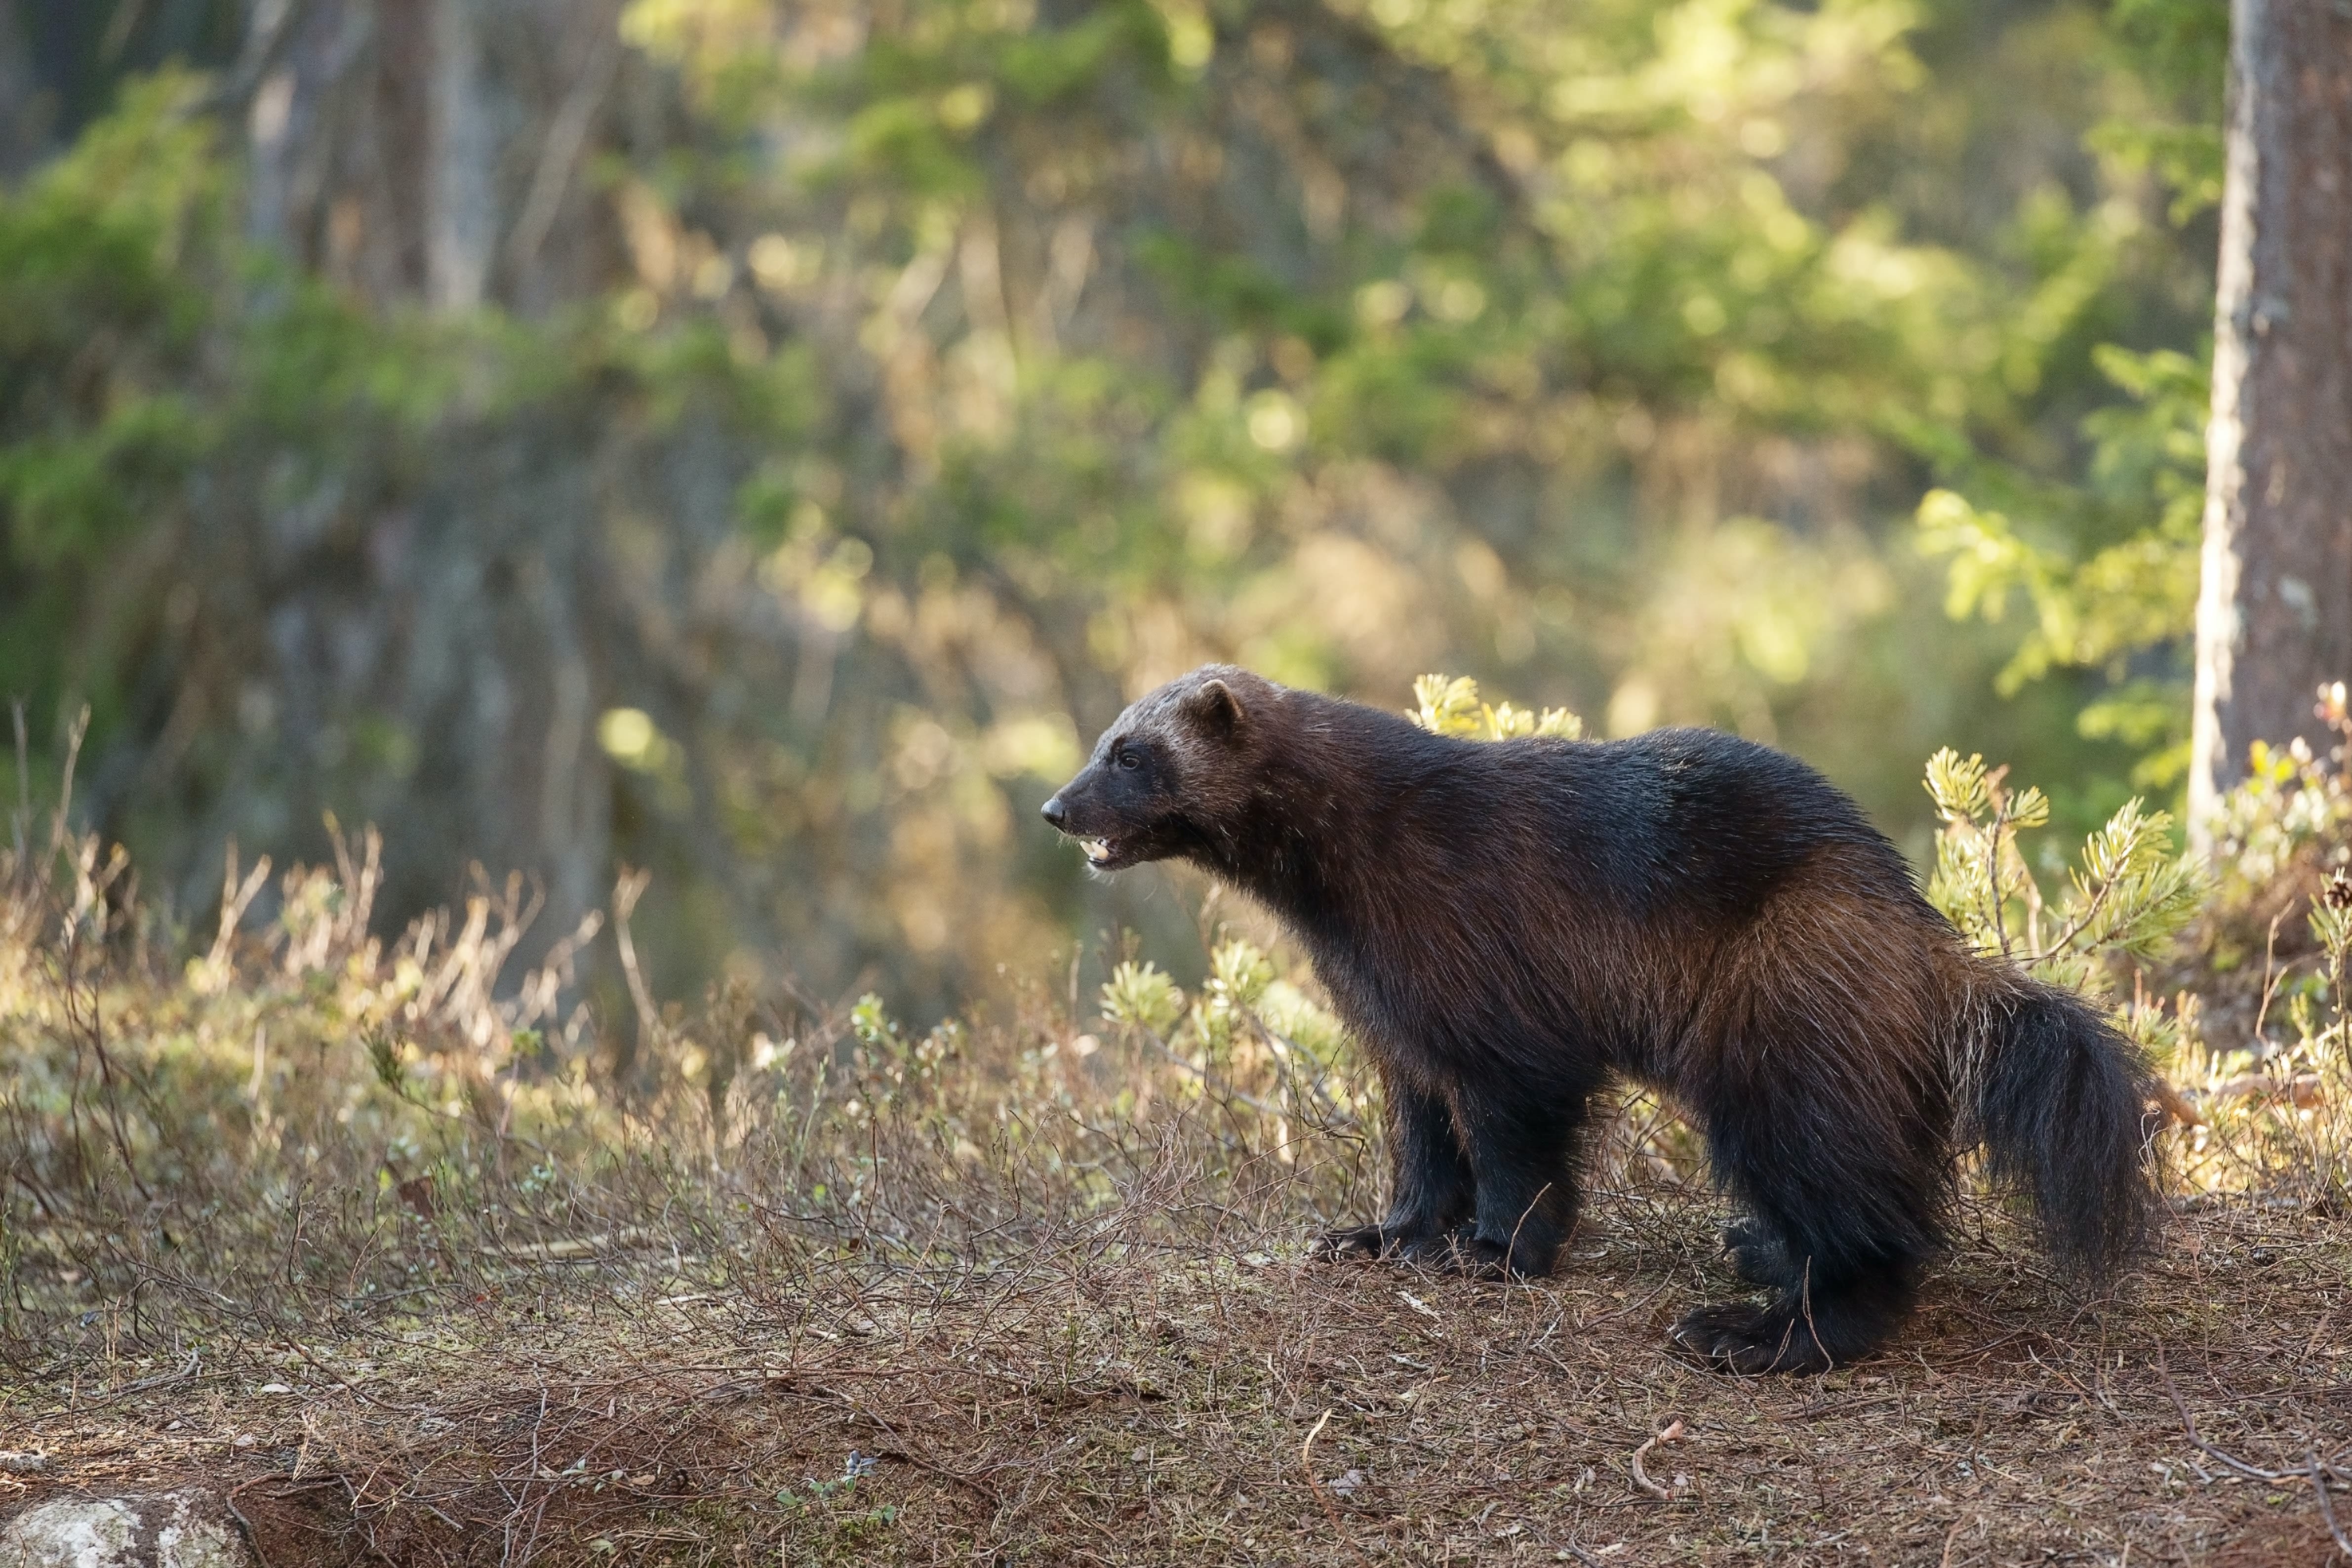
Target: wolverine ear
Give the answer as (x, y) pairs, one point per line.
(1216, 707)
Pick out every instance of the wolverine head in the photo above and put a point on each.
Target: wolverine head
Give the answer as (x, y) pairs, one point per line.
(1160, 778)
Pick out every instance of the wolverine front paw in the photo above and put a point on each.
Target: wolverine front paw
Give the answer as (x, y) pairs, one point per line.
(1369, 1241)
(1736, 1338)
(1388, 1244)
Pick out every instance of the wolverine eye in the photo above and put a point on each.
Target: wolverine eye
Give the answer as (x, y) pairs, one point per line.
(1128, 759)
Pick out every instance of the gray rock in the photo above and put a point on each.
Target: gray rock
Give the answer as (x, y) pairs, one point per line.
(185, 1529)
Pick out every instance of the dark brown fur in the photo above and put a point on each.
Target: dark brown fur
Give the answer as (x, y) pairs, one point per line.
(1507, 926)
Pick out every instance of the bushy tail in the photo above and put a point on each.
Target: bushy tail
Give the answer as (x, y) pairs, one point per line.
(2060, 1100)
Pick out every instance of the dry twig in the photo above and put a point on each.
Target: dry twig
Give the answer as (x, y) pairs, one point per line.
(1672, 1434)
(2319, 1491)
(2196, 1440)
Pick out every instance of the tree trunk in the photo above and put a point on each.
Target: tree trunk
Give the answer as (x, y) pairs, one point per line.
(2275, 613)
(24, 117)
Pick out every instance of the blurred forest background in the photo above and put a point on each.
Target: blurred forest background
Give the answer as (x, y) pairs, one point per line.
(761, 441)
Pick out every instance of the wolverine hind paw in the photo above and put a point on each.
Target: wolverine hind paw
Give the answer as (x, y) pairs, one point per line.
(1741, 1339)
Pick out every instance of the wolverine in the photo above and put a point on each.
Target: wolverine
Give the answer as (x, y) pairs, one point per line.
(1508, 927)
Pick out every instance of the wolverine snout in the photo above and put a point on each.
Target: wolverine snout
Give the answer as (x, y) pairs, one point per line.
(1104, 847)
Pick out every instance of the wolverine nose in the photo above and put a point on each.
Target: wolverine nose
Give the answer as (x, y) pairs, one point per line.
(1055, 811)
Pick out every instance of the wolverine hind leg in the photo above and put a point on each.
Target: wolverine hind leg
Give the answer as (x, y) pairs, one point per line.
(1819, 1068)
(1843, 1213)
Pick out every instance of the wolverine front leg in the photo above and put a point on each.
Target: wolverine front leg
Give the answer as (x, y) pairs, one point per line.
(1432, 1192)
(1521, 1149)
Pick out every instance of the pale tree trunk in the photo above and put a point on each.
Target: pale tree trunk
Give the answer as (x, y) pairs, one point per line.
(2274, 614)
(433, 151)
(465, 212)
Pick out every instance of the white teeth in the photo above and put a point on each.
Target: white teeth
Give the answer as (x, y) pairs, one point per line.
(1097, 851)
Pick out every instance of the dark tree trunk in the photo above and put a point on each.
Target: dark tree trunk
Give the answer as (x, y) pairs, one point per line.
(24, 112)
(2274, 616)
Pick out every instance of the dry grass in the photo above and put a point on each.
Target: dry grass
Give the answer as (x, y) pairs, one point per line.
(1139, 1386)
(417, 1274)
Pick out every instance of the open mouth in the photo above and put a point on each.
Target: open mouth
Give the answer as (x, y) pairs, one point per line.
(1099, 851)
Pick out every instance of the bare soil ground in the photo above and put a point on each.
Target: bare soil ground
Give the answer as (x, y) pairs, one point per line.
(1168, 1383)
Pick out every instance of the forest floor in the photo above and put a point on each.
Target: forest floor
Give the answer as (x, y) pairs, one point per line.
(315, 1228)
(1157, 1384)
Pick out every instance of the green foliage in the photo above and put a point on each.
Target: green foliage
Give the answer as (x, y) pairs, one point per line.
(2092, 605)
(1044, 351)
(2172, 125)
(111, 241)
(1143, 996)
(1239, 977)
(2317, 1072)
(2294, 806)
(2127, 896)
(871, 1025)
(2105, 552)
(1239, 974)
(2125, 596)
(1250, 1035)
(2277, 1097)
(2331, 927)
(1445, 706)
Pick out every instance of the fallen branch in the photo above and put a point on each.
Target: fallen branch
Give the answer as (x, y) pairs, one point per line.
(2196, 1440)
(160, 1379)
(1953, 1535)
(2327, 1509)
(1672, 1434)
